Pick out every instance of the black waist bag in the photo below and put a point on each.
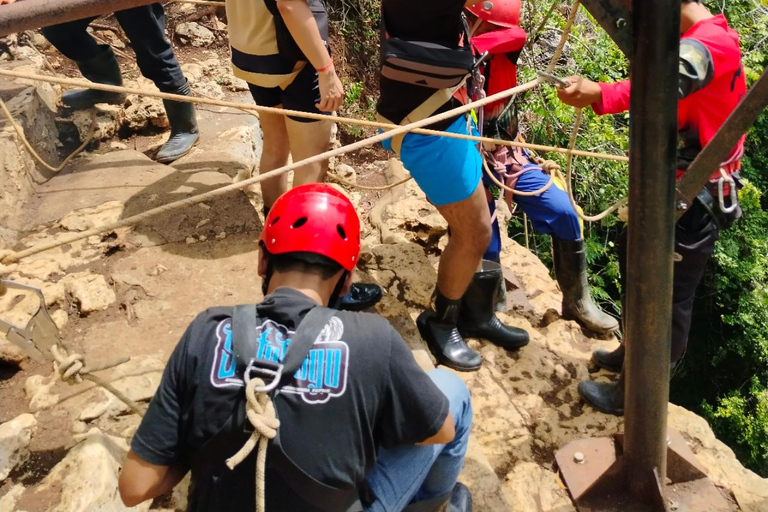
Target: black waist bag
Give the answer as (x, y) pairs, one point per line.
(286, 45)
(425, 63)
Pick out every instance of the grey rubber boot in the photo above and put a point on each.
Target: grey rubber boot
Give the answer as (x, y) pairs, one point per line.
(571, 271)
(102, 69)
(458, 500)
(606, 397)
(184, 131)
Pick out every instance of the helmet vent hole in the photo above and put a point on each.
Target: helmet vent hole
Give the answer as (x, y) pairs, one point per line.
(299, 222)
(340, 230)
(274, 221)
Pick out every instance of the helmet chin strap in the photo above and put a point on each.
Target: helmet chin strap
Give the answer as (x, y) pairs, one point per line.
(337, 291)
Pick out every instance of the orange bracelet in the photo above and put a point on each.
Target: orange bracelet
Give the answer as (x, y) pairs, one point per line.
(325, 68)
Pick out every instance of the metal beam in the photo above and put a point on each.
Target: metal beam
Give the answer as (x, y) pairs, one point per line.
(648, 303)
(615, 18)
(720, 146)
(33, 14)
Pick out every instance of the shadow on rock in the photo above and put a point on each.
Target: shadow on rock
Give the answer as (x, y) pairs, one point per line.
(215, 219)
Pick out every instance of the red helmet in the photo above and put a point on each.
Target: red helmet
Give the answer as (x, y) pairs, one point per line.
(504, 13)
(314, 218)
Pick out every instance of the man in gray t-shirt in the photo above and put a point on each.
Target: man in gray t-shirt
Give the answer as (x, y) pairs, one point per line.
(359, 413)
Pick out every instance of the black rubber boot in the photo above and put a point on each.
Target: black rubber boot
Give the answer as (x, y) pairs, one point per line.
(606, 397)
(102, 69)
(360, 296)
(571, 272)
(438, 328)
(613, 361)
(458, 500)
(477, 318)
(184, 132)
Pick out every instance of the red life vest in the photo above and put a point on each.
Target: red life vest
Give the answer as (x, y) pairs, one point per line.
(702, 113)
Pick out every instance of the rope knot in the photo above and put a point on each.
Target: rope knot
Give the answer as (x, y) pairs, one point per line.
(69, 366)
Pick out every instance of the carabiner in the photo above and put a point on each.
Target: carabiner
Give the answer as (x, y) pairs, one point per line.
(732, 192)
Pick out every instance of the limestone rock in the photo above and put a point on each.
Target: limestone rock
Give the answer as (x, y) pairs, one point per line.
(142, 112)
(404, 270)
(34, 109)
(535, 489)
(138, 379)
(194, 34)
(87, 218)
(90, 291)
(235, 152)
(37, 389)
(14, 440)
(10, 354)
(414, 219)
(87, 476)
(9, 500)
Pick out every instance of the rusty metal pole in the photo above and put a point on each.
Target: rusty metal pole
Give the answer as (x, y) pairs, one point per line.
(648, 303)
(33, 14)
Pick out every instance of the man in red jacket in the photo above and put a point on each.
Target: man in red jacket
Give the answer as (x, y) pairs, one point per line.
(711, 83)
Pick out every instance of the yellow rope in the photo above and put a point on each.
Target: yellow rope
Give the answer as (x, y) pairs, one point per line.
(295, 113)
(10, 258)
(569, 171)
(71, 369)
(261, 413)
(341, 180)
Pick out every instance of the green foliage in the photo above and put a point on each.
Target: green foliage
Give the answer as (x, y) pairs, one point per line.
(355, 42)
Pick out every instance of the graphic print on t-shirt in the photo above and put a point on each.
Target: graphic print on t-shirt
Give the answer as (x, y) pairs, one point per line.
(322, 376)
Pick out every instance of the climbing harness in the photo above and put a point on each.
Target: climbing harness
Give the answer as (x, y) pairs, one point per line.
(430, 65)
(40, 334)
(258, 419)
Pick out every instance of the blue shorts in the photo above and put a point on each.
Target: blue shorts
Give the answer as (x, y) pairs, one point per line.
(447, 170)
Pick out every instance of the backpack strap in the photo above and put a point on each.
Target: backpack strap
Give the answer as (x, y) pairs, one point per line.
(423, 111)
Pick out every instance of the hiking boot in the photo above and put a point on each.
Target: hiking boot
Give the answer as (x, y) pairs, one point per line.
(360, 296)
(458, 500)
(571, 271)
(613, 361)
(184, 132)
(102, 69)
(477, 317)
(438, 328)
(606, 397)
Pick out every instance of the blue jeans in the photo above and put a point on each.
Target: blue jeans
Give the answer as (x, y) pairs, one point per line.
(415, 473)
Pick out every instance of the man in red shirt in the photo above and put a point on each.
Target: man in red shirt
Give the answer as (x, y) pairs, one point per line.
(711, 84)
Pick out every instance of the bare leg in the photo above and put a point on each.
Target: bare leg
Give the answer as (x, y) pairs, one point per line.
(274, 154)
(307, 140)
(470, 225)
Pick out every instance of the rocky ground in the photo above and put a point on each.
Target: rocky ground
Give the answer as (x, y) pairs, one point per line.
(131, 293)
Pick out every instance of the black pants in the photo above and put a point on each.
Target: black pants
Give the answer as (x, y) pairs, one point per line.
(144, 26)
(695, 237)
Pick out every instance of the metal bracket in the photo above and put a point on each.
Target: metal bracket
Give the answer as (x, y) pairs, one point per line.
(41, 332)
(594, 472)
(616, 19)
